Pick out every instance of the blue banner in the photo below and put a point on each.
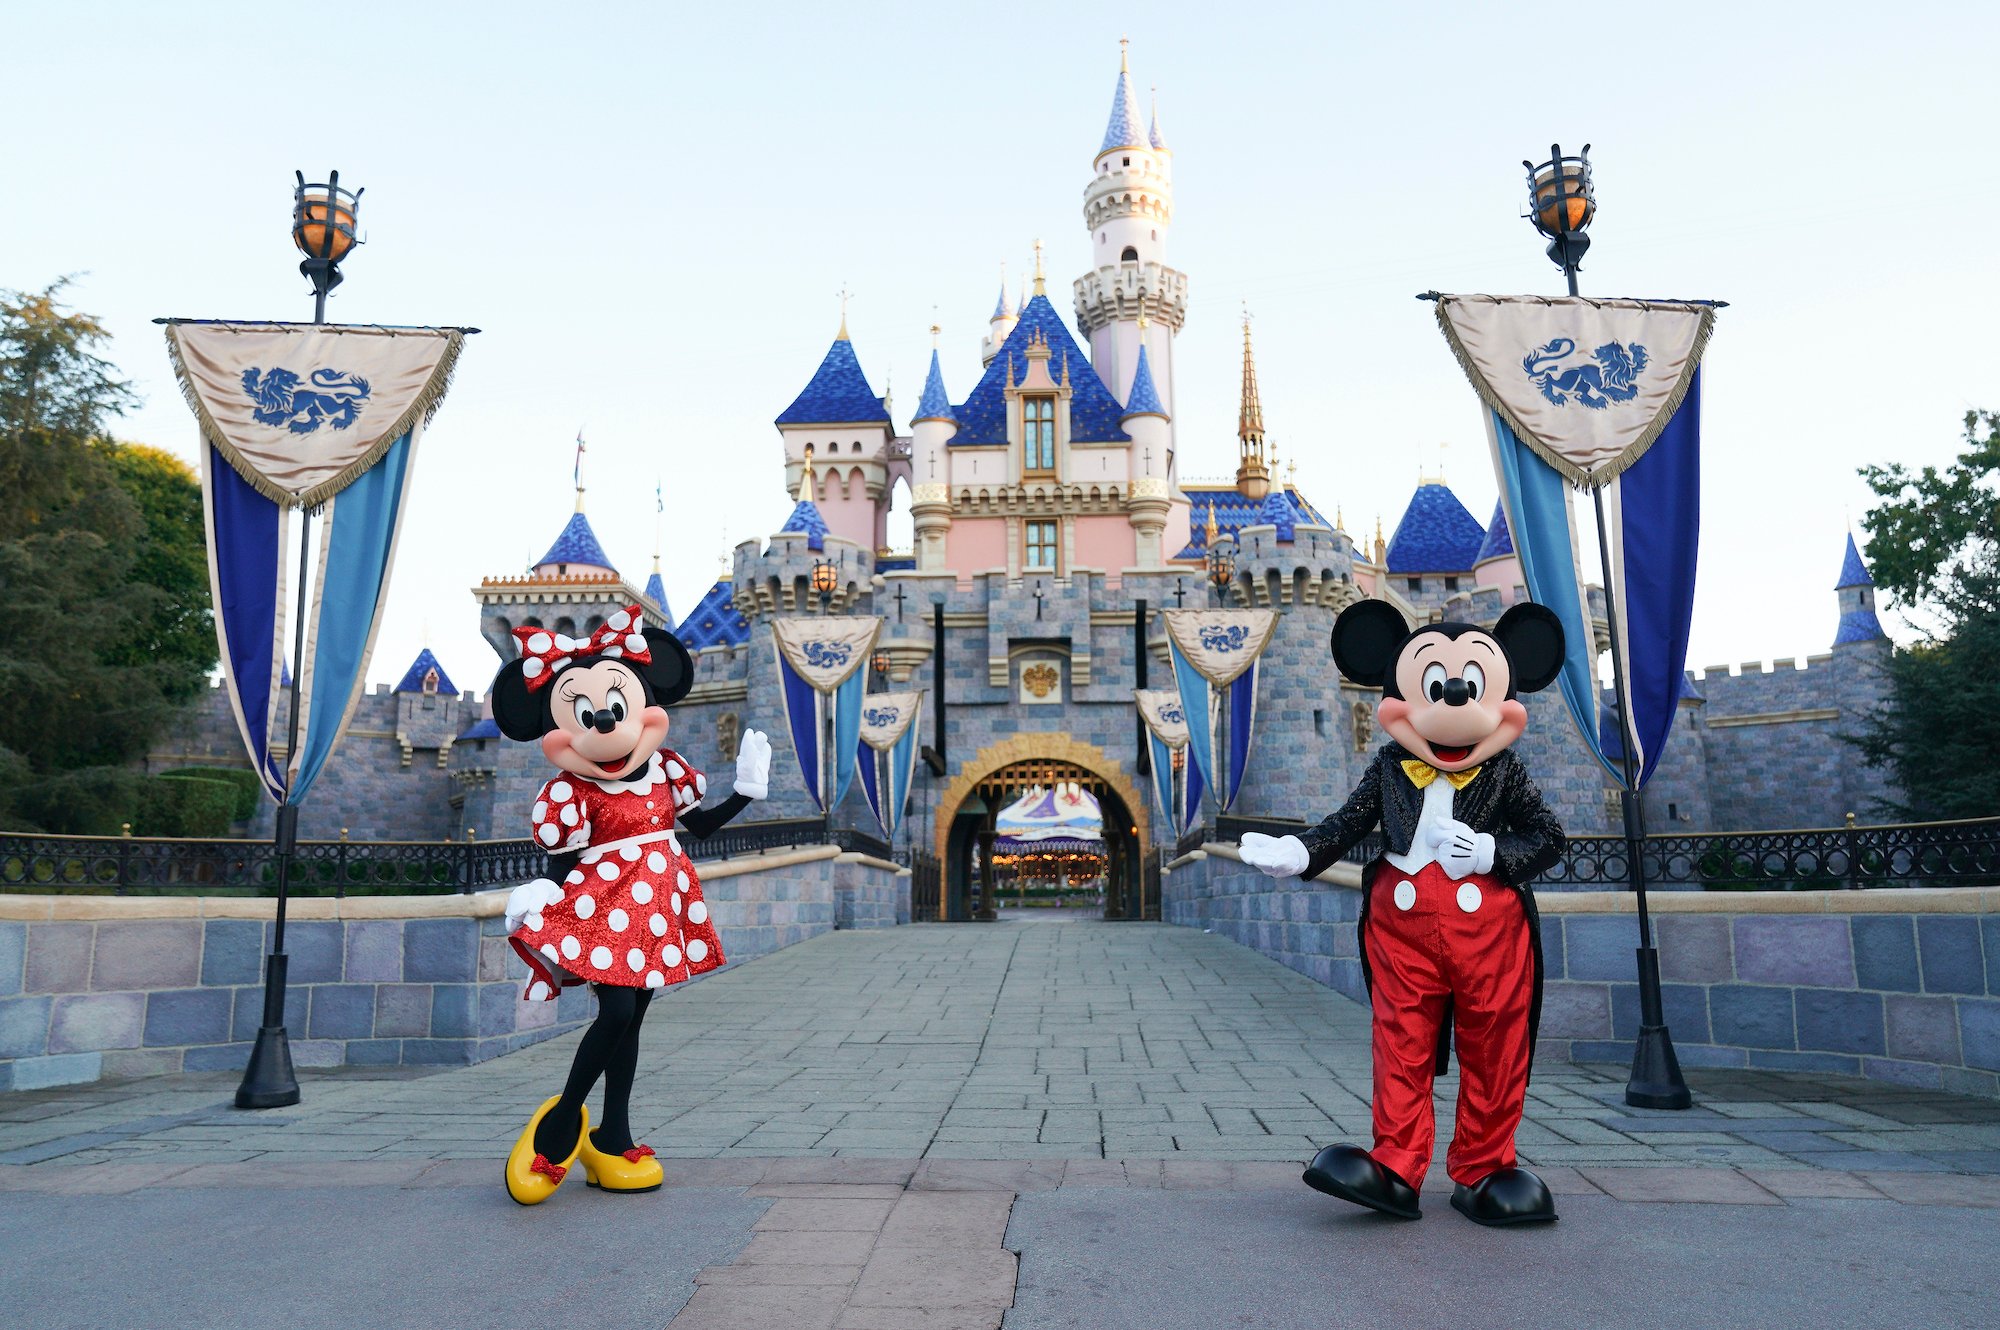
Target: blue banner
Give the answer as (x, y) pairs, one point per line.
(802, 718)
(1242, 720)
(1197, 705)
(246, 557)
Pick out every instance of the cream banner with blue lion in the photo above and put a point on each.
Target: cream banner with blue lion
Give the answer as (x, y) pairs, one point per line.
(1214, 655)
(820, 657)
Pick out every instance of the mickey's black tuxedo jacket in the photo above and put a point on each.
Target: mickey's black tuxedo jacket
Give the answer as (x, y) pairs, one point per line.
(1501, 800)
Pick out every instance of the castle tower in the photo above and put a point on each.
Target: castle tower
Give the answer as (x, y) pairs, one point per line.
(1253, 474)
(1128, 207)
(571, 589)
(930, 487)
(1005, 316)
(1146, 420)
(1856, 593)
(839, 417)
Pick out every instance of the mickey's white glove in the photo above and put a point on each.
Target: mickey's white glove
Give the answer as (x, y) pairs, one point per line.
(1461, 851)
(525, 902)
(1274, 856)
(753, 765)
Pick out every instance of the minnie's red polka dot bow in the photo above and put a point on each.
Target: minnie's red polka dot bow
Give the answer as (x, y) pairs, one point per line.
(544, 653)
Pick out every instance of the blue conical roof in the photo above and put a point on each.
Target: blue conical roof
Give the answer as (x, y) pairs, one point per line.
(806, 518)
(1093, 411)
(1123, 131)
(838, 393)
(935, 403)
(714, 621)
(577, 544)
(1499, 541)
(1002, 308)
(1277, 511)
(1436, 534)
(656, 591)
(1145, 398)
(1853, 572)
(413, 678)
(1153, 135)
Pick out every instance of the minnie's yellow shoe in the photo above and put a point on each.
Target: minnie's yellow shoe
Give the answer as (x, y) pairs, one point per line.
(531, 1177)
(632, 1171)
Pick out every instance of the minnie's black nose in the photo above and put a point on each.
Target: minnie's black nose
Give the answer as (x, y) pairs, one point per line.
(604, 722)
(1455, 693)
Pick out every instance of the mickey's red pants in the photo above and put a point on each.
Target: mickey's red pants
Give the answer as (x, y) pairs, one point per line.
(1433, 941)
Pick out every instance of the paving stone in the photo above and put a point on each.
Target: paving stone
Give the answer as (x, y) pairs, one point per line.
(947, 1219)
(58, 958)
(826, 1215)
(1913, 1188)
(936, 1277)
(1710, 1185)
(794, 1306)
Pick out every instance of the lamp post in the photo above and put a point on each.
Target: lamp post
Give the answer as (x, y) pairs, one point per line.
(1562, 203)
(1221, 566)
(323, 219)
(825, 577)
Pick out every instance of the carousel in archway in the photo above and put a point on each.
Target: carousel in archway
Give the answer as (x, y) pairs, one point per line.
(1053, 835)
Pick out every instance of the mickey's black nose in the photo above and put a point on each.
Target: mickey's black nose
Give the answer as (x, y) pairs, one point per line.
(1455, 694)
(604, 722)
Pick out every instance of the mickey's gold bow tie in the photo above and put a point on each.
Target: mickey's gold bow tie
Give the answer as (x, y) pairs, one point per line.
(1422, 773)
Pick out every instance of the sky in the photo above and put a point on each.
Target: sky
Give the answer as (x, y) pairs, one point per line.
(649, 210)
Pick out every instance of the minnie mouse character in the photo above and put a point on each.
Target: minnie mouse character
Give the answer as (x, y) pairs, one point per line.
(1449, 931)
(621, 909)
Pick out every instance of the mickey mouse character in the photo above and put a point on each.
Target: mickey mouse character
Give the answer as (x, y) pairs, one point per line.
(627, 916)
(1449, 932)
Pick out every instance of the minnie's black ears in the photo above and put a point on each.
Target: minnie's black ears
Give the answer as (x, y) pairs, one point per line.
(1532, 637)
(671, 673)
(1365, 638)
(520, 714)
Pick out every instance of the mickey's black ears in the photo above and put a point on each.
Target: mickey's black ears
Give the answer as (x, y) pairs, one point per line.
(671, 673)
(518, 712)
(1532, 637)
(1365, 638)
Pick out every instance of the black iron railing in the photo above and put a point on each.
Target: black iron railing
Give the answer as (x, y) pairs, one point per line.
(926, 888)
(98, 865)
(1912, 854)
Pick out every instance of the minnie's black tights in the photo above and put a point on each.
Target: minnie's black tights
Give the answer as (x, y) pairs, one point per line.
(610, 1049)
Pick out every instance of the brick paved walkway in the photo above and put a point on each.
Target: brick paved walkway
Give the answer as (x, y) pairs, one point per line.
(1038, 1039)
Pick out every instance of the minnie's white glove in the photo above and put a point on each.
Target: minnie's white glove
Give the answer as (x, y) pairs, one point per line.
(753, 765)
(1461, 851)
(525, 902)
(1274, 856)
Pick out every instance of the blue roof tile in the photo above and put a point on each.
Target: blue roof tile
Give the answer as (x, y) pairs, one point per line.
(1093, 411)
(1145, 398)
(656, 591)
(805, 517)
(1436, 534)
(1858, 626)
(896, 563)
(1499, 541)
(838, 393)
(1233, 512)
(1277, 511)
(714, 621)
(483, 728)
(413, 678)
(1853, 572)
(1123, 130)
(936, 403)
(577, 544)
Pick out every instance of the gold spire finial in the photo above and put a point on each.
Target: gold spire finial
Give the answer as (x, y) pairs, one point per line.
(844, 294)
(935, 330)
(1040, 289)
(806, 477)
(1124, 48)
(1142, 319)
(1339, 519)
(1208, 531)
(1253, 476)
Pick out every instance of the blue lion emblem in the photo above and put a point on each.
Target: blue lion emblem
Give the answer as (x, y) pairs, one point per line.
(334, 398)
(1172, 715)
(828, 655)
(881, 717)
(1218, 638)
(1614, 378)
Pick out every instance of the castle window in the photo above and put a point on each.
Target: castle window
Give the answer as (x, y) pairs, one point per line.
(1130, 255)
(1128, 161)
(430, 684)
(1416, 585)
(1451, 584)
(1156, 235)
(1041, 545)
(1038, 435)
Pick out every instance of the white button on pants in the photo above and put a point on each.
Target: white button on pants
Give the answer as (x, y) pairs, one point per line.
(1406, 895)
(1468, 897)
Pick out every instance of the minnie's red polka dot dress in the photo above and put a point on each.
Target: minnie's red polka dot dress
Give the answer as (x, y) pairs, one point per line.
(631, 912)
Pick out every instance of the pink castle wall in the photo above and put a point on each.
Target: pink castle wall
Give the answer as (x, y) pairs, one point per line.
(845, 505)
(976, 544)
(1107, 543)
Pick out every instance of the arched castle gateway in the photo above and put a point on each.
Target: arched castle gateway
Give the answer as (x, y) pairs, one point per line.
(1054, 518)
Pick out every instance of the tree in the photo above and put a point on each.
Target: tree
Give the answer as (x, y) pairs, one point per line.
(98, 601)
(1935, 546)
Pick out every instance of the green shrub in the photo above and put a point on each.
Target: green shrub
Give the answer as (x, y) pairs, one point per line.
(184, 806)
(248, 788)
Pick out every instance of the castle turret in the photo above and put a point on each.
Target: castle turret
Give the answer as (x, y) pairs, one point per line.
(930, 490)
(1146, 420)
(848, 427)
(1005, 316)
(1128, 207)
(1856, 593)
(1496, 564)
(1253, 473)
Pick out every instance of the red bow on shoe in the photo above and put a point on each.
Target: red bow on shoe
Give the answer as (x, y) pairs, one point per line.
(636, 1153)
(542, 1165)
(543, 653)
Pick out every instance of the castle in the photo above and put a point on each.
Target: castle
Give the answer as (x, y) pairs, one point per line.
(1051, 525)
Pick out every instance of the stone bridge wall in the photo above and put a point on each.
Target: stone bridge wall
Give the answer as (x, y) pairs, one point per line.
(95, 986)
(1895, 985)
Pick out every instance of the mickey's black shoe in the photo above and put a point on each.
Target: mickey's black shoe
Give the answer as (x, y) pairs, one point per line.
(1351, 1173)
(1509, 1196)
